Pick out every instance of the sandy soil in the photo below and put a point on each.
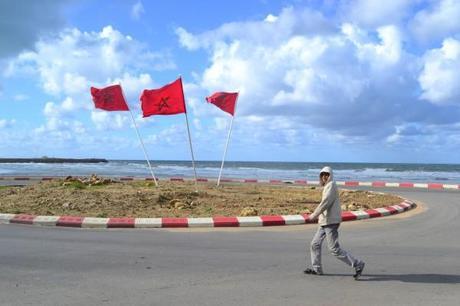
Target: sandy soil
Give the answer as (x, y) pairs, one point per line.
(174, 199)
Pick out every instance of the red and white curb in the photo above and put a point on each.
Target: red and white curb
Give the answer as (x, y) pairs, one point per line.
(377, 184)
(90, 222)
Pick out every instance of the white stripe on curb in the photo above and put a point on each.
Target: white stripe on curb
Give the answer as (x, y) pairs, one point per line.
(200, 222)
(293, 219)
(5, 218)
(90, 222)
(383, 211)
(360, 214)
(46, 220)
(250, 221)
(147, 222)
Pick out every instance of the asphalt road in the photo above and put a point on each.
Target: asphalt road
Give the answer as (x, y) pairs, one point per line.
(411, 259)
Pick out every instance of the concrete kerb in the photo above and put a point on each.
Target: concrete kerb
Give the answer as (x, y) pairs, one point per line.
(255, 221)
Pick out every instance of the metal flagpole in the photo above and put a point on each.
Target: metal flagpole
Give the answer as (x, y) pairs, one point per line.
(228, 140)
(188, 131)
(143, 148)
(140, 140)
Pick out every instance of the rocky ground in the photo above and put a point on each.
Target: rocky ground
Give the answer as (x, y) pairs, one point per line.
(98, 197)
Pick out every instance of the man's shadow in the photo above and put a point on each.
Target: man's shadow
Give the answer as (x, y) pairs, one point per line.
(413, 278)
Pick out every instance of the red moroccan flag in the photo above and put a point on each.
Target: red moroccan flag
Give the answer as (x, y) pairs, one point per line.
(167, 100)
(224, 100)
(109, 98)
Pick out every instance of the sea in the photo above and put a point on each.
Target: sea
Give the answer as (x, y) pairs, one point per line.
(368, 172)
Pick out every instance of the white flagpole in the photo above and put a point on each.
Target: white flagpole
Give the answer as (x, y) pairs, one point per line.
(228, 140)
(140, 140)
(188, 131)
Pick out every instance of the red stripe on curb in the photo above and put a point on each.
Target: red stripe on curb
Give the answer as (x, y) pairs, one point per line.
(225, 221)
(272, 220)
(47, 178)
(378, 184)
(126, 178)
(250, 181)
(300, 182)
(348, 216)
(23, 219)
(276, 181)
(151, 179)
(373, 213)
(306, 217)
(121, 223)
(226, 180)
(22, 178)
(176, 179)
(70, 221)
(202, 180)
(435, 186)
(391, 210)
(406, 185)
(174, 222)
(352, 183)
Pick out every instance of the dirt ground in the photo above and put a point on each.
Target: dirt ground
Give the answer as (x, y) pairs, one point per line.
(174, 199)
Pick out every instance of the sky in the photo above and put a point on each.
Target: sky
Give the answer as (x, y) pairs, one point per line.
(333, 80)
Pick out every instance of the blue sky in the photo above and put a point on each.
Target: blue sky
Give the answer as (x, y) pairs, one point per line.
(348, 80)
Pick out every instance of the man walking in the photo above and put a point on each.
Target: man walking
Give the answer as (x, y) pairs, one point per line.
(329, 216)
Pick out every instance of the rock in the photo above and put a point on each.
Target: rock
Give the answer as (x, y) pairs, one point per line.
(66, 205)
(344, 207)
(179, 205)
(352, 207)
(248, 211)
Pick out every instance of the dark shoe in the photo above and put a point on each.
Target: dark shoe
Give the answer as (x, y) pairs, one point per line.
(313, 272)
(359, 270)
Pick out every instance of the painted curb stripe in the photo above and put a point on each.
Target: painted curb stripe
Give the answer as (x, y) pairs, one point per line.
(147, 222)
(174, 222)
(200, 222)
(176, 179)
(69, 221)
(351, 183)
(435, 186)
(348, 216)
(226, 221)
(121, 222)
(373, 213)
(5, 218)
(46, 220)
(406, 185)
(275, 181)
(250, 221)
(90, 222)
(23, 219)
(378, 184)
(272, 220)
(250, 181)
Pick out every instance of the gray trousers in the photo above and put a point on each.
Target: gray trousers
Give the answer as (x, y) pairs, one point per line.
(330, 232)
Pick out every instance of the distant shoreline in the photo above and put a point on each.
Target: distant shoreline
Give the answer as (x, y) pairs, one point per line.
(52, 160)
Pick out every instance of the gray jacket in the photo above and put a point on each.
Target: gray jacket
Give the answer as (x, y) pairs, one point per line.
(328, 211)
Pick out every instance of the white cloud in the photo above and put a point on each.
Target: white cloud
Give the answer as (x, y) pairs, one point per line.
(376, 13)
(69, 63)
(20, 97)
(5, 123)
(110, 121)
(440, 78)
(137, 10)
(440, 20)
